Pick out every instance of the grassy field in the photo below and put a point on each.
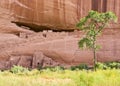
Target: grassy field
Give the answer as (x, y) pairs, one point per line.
(61, 78)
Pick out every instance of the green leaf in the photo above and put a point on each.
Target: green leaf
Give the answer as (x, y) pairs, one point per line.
(82, 23)
(97, 47)
(92, 25)
(85, 43)
(91, 33)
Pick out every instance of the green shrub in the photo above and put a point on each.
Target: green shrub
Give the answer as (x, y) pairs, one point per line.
(18, 69)
(79, 67)
(108, 65)
(54, 69)
(112, 65)
(58, 68)
(101, 66)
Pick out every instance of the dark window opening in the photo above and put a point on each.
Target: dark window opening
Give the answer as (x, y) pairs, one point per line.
(38, 63)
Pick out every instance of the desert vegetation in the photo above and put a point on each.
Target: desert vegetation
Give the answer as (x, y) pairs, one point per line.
(107, 74)
(39, 42)
(92, 25)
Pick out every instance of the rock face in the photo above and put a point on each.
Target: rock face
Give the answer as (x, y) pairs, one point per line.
(55, 49)
(56, 14)
(21, 46)
(5, 23)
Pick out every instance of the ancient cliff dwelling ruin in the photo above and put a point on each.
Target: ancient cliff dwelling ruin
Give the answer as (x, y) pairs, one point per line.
(43, 32)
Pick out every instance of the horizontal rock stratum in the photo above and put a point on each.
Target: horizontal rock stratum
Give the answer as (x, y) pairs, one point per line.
(21, 46)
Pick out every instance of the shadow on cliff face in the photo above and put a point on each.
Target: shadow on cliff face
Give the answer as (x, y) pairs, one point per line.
(39, 28)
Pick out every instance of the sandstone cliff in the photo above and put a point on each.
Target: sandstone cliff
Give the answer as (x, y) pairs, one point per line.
(21, 46)
(56, 14)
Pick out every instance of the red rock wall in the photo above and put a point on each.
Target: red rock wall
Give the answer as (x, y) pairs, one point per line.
(108, 5)
(57, 14)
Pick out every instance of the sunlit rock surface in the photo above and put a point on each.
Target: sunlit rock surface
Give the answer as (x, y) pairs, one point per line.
(21, 46)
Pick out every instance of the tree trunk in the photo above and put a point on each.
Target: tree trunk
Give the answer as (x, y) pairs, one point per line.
(94, 52)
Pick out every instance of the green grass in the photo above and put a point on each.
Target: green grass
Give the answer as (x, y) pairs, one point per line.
(61, 78)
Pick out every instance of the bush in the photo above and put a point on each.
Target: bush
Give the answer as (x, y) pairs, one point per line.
(101, 66)
(54, 69)
(58, 68)
(112, 65)
(18, 69)
(79, 67)
(108, 65)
